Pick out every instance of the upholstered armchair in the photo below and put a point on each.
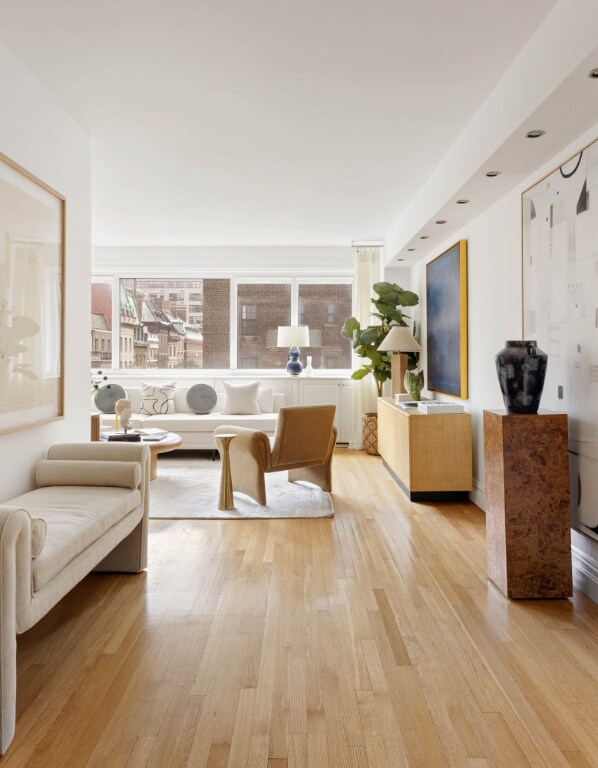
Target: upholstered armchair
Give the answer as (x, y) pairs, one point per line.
(303, 444)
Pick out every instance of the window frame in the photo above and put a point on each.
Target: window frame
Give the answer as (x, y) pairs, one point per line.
(235, 279)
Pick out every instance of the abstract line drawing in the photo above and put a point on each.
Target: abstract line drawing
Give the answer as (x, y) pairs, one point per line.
(560, 311)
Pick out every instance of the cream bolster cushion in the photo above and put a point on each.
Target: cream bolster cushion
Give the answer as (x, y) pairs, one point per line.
(38, 535)
(117, 474)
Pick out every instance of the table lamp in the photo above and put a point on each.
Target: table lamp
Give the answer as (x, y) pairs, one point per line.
(401, 340)
(293, 336)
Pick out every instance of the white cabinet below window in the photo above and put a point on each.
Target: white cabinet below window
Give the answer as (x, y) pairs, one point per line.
(333, 391)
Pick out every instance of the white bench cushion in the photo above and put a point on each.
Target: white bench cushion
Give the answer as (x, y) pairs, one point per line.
(76, 516)
(185, 422)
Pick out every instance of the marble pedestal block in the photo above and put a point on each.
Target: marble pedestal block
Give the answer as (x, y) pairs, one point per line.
(528, 521)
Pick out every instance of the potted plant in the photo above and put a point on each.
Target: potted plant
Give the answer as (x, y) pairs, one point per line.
(390, 297)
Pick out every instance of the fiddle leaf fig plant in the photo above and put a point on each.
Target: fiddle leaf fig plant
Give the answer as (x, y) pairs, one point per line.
(390, 297)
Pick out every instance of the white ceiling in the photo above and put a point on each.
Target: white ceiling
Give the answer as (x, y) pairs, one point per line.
(265, 122)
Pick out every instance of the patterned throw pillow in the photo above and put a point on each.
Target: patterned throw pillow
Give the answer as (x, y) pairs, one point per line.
(157, 399)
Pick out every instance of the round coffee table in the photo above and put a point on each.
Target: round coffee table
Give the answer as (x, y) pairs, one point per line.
(168, 443)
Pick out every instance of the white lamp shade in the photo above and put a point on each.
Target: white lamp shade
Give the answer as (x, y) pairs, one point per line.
(293, 336)
(399, 339)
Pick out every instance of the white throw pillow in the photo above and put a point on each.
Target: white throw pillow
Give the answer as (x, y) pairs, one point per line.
(241, 399)
(157, 399)
(266, 399)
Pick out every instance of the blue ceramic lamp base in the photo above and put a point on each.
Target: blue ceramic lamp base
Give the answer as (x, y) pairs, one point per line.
(294, 366)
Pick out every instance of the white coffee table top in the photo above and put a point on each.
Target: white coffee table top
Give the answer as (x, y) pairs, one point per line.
(170, 439)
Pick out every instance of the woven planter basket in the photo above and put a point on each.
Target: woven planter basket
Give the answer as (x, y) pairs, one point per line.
(369, 433)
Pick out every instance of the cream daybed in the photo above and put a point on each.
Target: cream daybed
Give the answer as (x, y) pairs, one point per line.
(89, 512)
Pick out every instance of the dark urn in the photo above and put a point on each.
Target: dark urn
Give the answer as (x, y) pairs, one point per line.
(521, 369)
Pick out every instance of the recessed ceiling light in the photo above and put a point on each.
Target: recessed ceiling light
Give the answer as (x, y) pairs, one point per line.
(593, 74)
(492, 174)
(410, 249)
(441, 221)
(463, 201)
(424, 237)
(535, 134)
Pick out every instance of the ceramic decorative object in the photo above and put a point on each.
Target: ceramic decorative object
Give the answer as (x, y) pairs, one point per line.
(294, 366)
(521, 369)
(369, 433)
(414, 383)
(308, 370)
(201, 398)
(124, 410)
(106, 397)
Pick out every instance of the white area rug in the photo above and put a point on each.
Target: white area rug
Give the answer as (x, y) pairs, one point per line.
(188, 485)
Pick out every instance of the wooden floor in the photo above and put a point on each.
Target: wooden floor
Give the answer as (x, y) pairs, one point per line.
(373, 639)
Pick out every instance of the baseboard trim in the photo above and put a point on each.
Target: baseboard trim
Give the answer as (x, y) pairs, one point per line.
(478, 495)
(585, 573)
(425, 495)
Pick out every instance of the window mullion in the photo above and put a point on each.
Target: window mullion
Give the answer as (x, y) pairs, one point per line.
(233, 324)
(294, 302)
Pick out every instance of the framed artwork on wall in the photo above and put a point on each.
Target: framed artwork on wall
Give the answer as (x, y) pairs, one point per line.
(32, 262)
(446, 309)
(560, 311)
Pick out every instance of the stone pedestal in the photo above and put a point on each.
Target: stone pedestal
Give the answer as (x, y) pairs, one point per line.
(527, 504)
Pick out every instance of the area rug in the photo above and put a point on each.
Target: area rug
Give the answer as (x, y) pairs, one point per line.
(188, 484)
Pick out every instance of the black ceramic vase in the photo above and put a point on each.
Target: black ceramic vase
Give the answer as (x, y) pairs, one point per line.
(521, 369)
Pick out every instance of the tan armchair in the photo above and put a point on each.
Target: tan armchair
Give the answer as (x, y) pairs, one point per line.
(303, 444)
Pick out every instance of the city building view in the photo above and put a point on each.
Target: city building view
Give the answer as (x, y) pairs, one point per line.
(185, 323)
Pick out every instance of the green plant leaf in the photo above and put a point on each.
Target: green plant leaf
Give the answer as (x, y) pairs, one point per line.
(381, 375)
(360, 374)
(386, 291)
(397, 316)
(350, 325)
(383, 308)
(407, 299)
(374, 355)
(370, 335)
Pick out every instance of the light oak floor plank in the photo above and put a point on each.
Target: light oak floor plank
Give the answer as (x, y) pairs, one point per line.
(370, 640)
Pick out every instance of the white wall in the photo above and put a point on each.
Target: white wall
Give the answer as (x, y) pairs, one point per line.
(212, 260)
(39, 135)
(495, 315)
(399, 276)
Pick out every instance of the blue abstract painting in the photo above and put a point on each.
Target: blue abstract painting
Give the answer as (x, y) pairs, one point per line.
(446, 307)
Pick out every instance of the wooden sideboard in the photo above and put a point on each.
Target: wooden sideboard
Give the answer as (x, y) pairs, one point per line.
(429, 455)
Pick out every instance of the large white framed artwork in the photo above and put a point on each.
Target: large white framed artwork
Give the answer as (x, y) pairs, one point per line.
(32, 223)
(560, 311)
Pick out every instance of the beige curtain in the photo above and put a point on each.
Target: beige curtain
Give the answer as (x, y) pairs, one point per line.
(367, 272)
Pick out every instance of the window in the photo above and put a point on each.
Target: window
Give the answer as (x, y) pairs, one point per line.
(261, 308)
(101, 324)
(323, 307)
(248, 319)
(169, 328)
(168, 323)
